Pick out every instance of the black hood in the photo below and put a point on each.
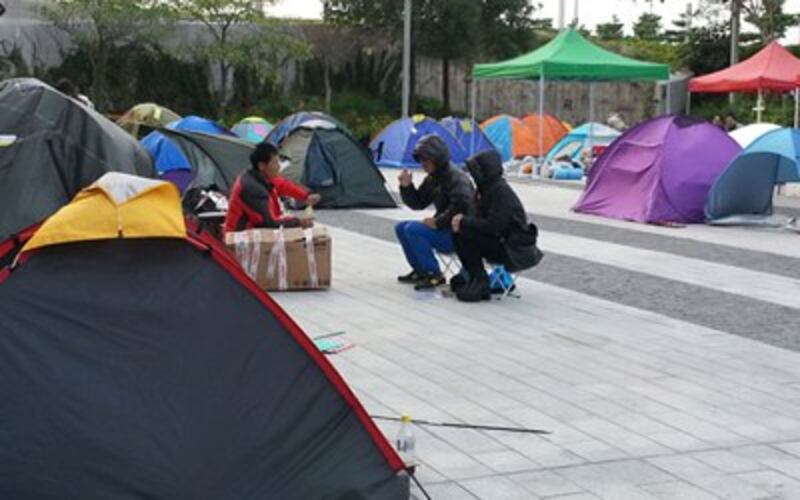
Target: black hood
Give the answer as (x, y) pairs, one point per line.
(432, 147)
(486, 168)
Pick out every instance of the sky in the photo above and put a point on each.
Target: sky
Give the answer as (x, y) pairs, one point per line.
(591, 12)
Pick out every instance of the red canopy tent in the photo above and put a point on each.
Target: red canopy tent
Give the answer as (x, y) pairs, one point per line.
(773, 68)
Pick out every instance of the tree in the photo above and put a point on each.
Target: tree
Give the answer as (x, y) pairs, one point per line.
(332, 47)
(239, 33)
(97, 26)
(768, 17)
(446, 29)
(647, 27)
(612, 30)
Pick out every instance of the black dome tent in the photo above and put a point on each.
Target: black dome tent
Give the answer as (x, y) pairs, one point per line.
(51, 147)
(138, 360)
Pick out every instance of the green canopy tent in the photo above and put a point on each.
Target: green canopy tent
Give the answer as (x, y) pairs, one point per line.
(570, 56)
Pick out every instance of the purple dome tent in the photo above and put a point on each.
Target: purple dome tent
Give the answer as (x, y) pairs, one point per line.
(659, 171)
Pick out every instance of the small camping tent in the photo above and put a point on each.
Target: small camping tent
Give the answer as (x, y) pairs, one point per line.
(747, 185)
(581, 138)
(747, 135)
(511, 136)
(552, 131)
(252, 129)
(165, 372)
(394, 146)
(142, 118)
(468, 133)
(329, 161)
(168, 159)
(214, 160)
(291, 122)
(51, 147)
(659, 171)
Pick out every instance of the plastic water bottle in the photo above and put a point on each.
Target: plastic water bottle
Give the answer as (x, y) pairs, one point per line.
(405, 442)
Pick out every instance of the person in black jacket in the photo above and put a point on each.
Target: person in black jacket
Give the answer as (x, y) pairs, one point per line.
(499, 232)
(451, 193)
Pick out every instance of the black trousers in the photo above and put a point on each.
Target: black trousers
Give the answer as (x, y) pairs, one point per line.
(473, 247)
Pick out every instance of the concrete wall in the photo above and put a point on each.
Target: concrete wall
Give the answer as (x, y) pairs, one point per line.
(567, 100)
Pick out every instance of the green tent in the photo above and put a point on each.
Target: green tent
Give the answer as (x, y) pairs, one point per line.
(570, 56)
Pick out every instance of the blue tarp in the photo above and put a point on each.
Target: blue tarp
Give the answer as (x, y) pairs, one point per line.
(747, 185)
(166, 154)
(394, 146)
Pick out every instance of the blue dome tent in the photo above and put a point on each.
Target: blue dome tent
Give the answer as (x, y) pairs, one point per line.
(394, 146)
(747, 185)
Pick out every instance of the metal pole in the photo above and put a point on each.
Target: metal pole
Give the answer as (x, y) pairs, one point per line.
(473, 123)
(668, 103)
(576, 19)
(736, 9)
(591, 123)
(541, 115)
(759, 105)
(689, 104)
(796, 108)
(562, 7)
(407, 59)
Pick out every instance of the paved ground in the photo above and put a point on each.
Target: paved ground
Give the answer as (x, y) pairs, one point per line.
(663, 361)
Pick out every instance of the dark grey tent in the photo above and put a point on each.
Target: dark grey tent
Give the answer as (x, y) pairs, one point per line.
(328, 160)
(51, 147)
(153, 367)
(215, 159)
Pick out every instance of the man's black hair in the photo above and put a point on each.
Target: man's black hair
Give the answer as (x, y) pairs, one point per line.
(66, 87)
(264, 151)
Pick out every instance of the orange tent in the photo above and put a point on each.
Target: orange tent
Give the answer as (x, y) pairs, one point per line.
(511, 136)
(552, 131)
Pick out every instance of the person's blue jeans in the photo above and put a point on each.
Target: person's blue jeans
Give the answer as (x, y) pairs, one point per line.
(419, 241)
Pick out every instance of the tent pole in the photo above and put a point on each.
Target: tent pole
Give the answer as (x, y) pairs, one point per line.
(668, 103)
(759, 105)
(796, 107)
(474, 104)
(591, 122)
(689, 104)
(541, 115)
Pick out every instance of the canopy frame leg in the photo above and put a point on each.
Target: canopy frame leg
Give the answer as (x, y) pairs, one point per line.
(541, 121)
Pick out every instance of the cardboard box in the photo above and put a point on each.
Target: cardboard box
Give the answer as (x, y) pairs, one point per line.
(284, 259)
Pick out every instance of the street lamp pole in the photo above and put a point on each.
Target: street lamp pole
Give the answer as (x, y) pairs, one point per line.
(407, 58)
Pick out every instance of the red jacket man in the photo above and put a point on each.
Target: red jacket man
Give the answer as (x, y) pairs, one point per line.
(255, 197)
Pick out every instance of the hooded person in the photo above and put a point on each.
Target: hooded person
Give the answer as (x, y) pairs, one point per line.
(498, 232)
(255, 200)
(451, 193)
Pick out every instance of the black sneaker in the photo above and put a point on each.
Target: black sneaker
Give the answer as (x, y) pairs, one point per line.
(412, 277)
(457, 282)
(430, 281)
(476, 291)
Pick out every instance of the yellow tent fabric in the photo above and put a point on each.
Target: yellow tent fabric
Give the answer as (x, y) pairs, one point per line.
(116, 206)
(148, 115)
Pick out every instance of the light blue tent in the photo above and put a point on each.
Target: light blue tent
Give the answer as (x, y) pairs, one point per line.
(586, 136)
(747, 185)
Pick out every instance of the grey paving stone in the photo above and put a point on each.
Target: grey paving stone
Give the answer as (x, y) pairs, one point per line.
(546, 484)
(496, 488)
